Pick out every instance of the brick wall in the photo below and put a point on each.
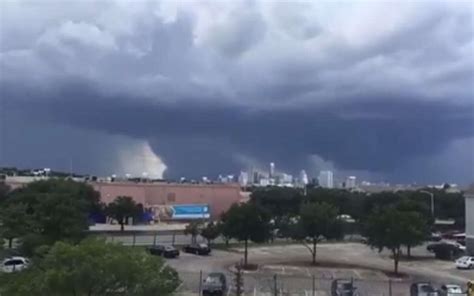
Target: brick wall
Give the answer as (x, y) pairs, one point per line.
(218, 196)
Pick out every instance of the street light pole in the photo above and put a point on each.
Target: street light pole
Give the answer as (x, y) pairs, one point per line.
(432, 201)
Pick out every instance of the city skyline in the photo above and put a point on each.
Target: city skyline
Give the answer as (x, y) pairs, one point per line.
(197, 89)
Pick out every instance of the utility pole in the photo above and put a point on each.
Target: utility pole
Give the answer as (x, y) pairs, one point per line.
(432, 201)
(239, 280)
(275, 286)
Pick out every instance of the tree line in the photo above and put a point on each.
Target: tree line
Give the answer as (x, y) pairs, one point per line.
(49, 220)
(45, 213)
(388, 220)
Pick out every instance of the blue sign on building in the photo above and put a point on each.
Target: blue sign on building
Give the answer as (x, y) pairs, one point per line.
(176, 212)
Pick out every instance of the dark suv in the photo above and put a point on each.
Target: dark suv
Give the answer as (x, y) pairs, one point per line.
(165, 251)
(215, 284)
(198, 249)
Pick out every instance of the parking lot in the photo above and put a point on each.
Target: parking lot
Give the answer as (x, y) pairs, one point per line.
(286, 269)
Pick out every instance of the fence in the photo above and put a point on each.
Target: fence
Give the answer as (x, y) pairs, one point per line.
(148, 238)
(288, 285)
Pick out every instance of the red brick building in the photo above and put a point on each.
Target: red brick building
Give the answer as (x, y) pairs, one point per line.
(216, 197)
(219, 197)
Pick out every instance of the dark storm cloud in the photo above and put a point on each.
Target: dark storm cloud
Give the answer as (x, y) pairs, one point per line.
(210, 83)
(197, 139)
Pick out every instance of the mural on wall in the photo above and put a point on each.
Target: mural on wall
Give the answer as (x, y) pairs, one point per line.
(180, 212)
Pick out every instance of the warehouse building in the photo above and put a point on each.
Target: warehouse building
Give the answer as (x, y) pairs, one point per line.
(469, 195)
(165, 201)
(175, 201)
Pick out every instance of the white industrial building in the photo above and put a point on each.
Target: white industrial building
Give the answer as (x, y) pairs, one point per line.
(469, 195)
(326, 179)
(351, 182)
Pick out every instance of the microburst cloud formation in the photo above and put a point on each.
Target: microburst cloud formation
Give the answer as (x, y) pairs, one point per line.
(212, 85)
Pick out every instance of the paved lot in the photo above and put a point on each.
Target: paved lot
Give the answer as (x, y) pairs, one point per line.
(423, 267)
(294, 276)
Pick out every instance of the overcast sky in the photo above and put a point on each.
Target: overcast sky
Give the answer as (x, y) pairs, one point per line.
(383, 90)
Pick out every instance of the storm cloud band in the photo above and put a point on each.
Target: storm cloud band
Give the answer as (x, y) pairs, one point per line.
(212, 85)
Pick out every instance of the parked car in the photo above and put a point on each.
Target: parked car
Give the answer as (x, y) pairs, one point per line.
(453, 234)
(215, 284)
(422, 289)
(341, 287)
(451, 290)
(446, 250)
(13, 264)
(465, 262)
(198, 249)
(165, 251)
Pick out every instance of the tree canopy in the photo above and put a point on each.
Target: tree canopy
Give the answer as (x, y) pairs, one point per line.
(48, 211)
(317, 221)
(210, 232)
(247, 222)
(193, 228)
(92, 267)
(4, 190)
(14, 222)
(392, 228)
(121, 209)
(283, 202)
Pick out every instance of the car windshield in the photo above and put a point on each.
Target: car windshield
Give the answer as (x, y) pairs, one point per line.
(345, 286)
(213, 280)
(427, 288)
(454, 289)
(13, 262)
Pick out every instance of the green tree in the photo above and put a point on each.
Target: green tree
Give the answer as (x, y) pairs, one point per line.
(247, 222)
(34, 192)
(56, 210)
(317, 221)
(392, 228)
(279, 202)
(121, 209)
(224, 229)
(193, 228)
(421, 221)
(4, 190)
(348, 203)
(14, 222)
(91, 268)
(60, 217)
(210, 232)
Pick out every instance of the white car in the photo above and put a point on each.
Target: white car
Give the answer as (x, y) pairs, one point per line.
(451, 290)
(13, 264)
(465, 262)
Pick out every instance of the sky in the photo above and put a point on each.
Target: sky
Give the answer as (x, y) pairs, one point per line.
(380, 90)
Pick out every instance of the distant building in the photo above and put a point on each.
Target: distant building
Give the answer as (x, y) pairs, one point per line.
(272, 170)
(326, 179)
(303, 178)
(243, 179)
(255, 177)
(264, 182)
(350, 182)
(469, 195)
(286, 179)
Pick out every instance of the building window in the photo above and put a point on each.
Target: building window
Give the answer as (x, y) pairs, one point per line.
(171, 197)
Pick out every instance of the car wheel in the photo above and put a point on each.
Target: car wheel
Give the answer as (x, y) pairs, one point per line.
(197, 252)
